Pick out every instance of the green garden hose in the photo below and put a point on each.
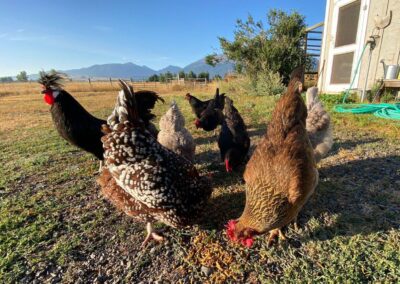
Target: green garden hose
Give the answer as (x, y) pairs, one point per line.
(388, 111)
(355, 74)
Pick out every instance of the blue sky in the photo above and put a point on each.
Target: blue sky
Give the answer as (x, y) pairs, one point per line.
(36, 35)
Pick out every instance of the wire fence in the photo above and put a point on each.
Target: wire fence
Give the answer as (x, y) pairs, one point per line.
(110, 84)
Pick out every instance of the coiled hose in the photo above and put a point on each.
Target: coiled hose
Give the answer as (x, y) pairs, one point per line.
(387, 111)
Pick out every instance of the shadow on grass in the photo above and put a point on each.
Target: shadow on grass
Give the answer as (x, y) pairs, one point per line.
(359, 197)
(222, 208)
(208, 138)
(208, 157)
(351, 144)
(257, 130)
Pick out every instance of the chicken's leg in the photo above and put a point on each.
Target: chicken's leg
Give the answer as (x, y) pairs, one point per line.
(296, 224)
(273, 234)
(101, 166)
(151, 235)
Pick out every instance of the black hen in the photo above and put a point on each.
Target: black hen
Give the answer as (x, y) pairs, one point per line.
(75, 124)
(198, 106)
(233, 141)
(212, 116)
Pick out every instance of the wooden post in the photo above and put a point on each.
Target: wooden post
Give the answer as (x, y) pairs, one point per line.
(110, 81)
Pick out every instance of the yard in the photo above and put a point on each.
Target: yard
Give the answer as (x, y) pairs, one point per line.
(56, 227)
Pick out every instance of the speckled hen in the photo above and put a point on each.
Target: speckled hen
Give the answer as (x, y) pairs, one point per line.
(149, 182)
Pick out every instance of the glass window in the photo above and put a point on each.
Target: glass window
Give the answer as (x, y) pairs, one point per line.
(341, 68)
(347, 25)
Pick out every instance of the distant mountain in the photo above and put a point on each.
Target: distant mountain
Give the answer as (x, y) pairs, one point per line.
(131, 70)
(201, 66)
(114, 70)
(170, 68)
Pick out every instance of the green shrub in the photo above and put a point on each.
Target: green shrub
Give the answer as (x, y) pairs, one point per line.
(387, 97)
(330, 100)
(269, 84)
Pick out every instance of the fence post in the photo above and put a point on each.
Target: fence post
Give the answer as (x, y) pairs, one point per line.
(110, 81)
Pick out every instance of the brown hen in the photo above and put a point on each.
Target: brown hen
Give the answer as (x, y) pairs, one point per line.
(281, 174)
(144, 179)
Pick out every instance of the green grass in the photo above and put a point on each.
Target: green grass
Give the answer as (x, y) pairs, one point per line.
(51, 213)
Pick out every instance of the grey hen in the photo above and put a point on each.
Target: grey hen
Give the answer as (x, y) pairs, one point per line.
(318, 125)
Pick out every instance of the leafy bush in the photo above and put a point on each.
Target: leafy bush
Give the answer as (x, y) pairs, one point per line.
(387, 97)
(269, 84)
(258, 49)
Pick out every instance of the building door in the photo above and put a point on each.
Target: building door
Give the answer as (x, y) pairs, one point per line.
(347, 36)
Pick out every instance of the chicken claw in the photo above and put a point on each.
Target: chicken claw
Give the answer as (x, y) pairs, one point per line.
(273, 234)
(296, 224)
(151, 235)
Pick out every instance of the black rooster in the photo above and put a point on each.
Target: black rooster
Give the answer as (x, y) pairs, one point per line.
(233, 141)
(75, 124)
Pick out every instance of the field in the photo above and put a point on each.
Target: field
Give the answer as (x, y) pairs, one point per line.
(56, 227)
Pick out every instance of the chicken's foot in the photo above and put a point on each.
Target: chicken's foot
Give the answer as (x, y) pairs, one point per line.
(273, 234)
(151, 235)
(296, 224)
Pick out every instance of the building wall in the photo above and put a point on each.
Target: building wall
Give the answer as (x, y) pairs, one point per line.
(322, 80)
(388, 45)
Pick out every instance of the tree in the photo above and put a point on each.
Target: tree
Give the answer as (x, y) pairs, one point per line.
(6, 79)
(162, 78)
(154, 78)
(169, 76)
(22, 77)
(258, 50)
(182, 74)
(205, 75)
(191, 75)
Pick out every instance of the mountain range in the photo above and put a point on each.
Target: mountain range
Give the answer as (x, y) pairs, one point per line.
(137, 72)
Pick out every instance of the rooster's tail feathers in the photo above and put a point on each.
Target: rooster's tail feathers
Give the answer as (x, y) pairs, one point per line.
(125, 107)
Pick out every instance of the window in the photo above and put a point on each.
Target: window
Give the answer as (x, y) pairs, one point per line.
(347, 27)
(341, 68)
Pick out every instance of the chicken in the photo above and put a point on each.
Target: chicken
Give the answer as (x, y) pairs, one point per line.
(318, 125)
(281, 174)
(233, 141)
(212, 116)
(71, 120)
(143, 178)
(198, 106)
(75, 124)
(173, 134)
